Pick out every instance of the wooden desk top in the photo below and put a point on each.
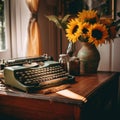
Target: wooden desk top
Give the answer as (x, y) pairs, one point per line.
(84, 86)
(99, 89)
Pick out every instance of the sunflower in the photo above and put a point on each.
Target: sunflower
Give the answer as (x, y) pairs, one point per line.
(98, 33)
(88, 16)
(112, 32)
(84, 29)
(73, 30)
(106, 21)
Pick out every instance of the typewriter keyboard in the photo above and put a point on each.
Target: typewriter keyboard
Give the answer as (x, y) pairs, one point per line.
(34, 77)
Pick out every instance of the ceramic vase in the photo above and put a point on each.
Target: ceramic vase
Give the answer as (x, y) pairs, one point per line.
(89, 58)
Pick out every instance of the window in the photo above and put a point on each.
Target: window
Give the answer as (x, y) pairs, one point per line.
(2, 26)
(13, 41)
(5, 51)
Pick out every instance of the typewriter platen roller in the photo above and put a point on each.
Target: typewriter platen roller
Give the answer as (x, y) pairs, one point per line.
(24, 60)
(28, 79)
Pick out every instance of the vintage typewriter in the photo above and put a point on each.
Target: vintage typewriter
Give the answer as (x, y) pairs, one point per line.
(46, 74)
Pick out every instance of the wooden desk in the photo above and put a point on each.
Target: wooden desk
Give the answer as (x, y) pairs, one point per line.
(99, 89)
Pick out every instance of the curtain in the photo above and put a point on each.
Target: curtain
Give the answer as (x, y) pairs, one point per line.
(17, 18)
(34, 41)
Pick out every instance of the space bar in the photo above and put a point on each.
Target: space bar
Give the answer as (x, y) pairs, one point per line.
(55, 82)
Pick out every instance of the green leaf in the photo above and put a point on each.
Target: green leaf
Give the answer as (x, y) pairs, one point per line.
(56, 20)
(65, 18)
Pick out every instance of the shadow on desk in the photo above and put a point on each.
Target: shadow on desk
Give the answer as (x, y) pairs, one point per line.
(105, 116)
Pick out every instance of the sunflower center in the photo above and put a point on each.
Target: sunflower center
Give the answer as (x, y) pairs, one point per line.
(84, 30)
(97, 34)
(74, 29)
